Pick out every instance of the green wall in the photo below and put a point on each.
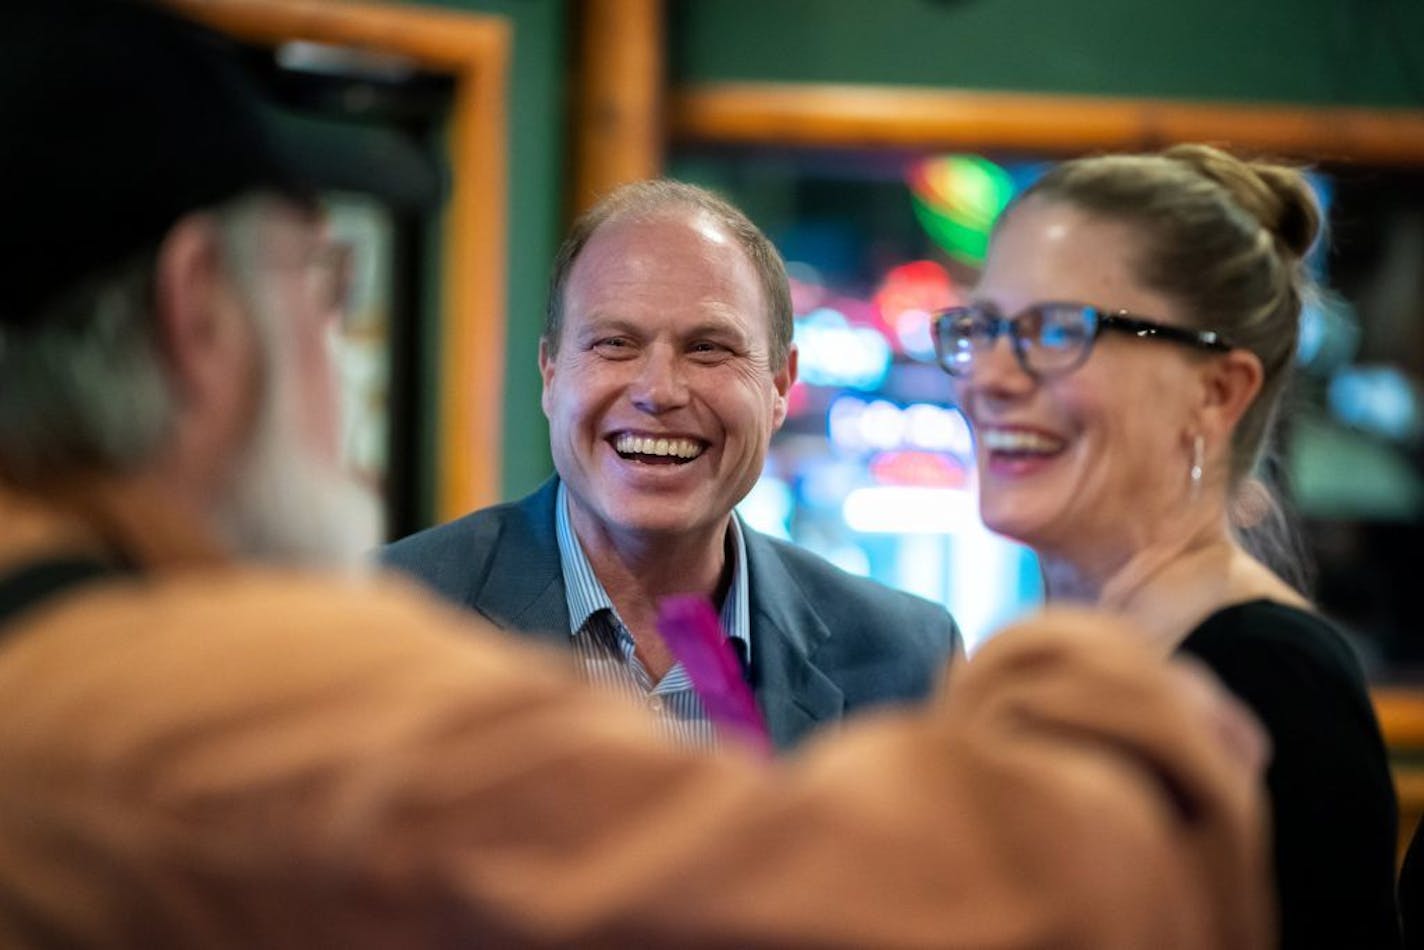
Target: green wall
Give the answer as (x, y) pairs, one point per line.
(1366, 52)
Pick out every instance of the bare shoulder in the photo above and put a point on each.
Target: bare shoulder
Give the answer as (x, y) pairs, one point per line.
(1249, 579)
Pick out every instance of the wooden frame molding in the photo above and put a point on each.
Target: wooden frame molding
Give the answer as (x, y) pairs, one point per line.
(617, 133)
(474, 50)
(836, 116)
(1401, 717)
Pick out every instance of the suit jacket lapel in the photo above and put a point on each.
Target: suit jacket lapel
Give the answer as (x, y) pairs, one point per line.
(794, 693)
(523, 586)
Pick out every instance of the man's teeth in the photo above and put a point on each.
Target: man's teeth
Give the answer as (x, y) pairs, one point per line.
(643, 445)
(1017, 440)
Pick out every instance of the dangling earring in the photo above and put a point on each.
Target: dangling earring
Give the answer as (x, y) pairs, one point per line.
(1194, 474)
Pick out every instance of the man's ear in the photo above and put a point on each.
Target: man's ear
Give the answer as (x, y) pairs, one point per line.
(783, 379)
(546, 372)
(193, 311)
(1230, 384)
(209, 350)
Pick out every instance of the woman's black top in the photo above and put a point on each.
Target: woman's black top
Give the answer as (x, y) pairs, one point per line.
(1332, 798)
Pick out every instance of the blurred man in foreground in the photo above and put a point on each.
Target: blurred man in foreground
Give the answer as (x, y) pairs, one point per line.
(198, 753)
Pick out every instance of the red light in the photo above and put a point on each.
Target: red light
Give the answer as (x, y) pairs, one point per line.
(918, 469)
(921, 287)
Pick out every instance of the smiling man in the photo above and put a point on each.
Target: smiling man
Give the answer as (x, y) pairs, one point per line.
(667, 359)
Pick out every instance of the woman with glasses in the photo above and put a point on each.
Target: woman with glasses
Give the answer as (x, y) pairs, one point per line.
(1121, 365)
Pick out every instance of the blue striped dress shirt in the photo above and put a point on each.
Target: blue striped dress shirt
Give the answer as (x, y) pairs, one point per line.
(605, 647)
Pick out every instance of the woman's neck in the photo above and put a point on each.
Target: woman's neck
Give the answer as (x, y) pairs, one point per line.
(1103, 569)
(1167, 584)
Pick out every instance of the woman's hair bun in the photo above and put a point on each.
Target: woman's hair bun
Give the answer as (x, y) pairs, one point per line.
(1277, 196)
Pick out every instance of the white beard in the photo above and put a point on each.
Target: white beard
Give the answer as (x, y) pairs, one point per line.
(285, 506)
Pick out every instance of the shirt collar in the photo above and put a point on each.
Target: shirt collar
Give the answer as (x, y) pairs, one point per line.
(586, 596)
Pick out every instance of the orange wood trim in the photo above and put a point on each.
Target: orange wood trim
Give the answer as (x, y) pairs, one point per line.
(441, 40)
(1401, 718)
(473, 332)
(824, 115)
(474, 50)
(1409, 789)
(1410, 785)
(618, 118)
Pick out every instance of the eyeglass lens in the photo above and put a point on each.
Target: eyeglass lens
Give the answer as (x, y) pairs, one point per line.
(1046, 338)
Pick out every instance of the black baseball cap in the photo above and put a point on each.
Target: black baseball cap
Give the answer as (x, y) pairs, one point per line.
(118, 117)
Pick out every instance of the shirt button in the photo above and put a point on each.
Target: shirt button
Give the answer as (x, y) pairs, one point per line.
(655, 704)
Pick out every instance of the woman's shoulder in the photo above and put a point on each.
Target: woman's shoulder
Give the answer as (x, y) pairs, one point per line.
(1272, 632)
(1288, 663)
(1332, 798)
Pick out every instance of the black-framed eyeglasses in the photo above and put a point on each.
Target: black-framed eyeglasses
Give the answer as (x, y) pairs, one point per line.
(1048, 339)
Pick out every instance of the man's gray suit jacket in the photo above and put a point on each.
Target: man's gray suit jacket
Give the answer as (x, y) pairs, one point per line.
(824, 643)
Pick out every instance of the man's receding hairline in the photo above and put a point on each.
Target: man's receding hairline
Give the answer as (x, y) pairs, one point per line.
(680, 211)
